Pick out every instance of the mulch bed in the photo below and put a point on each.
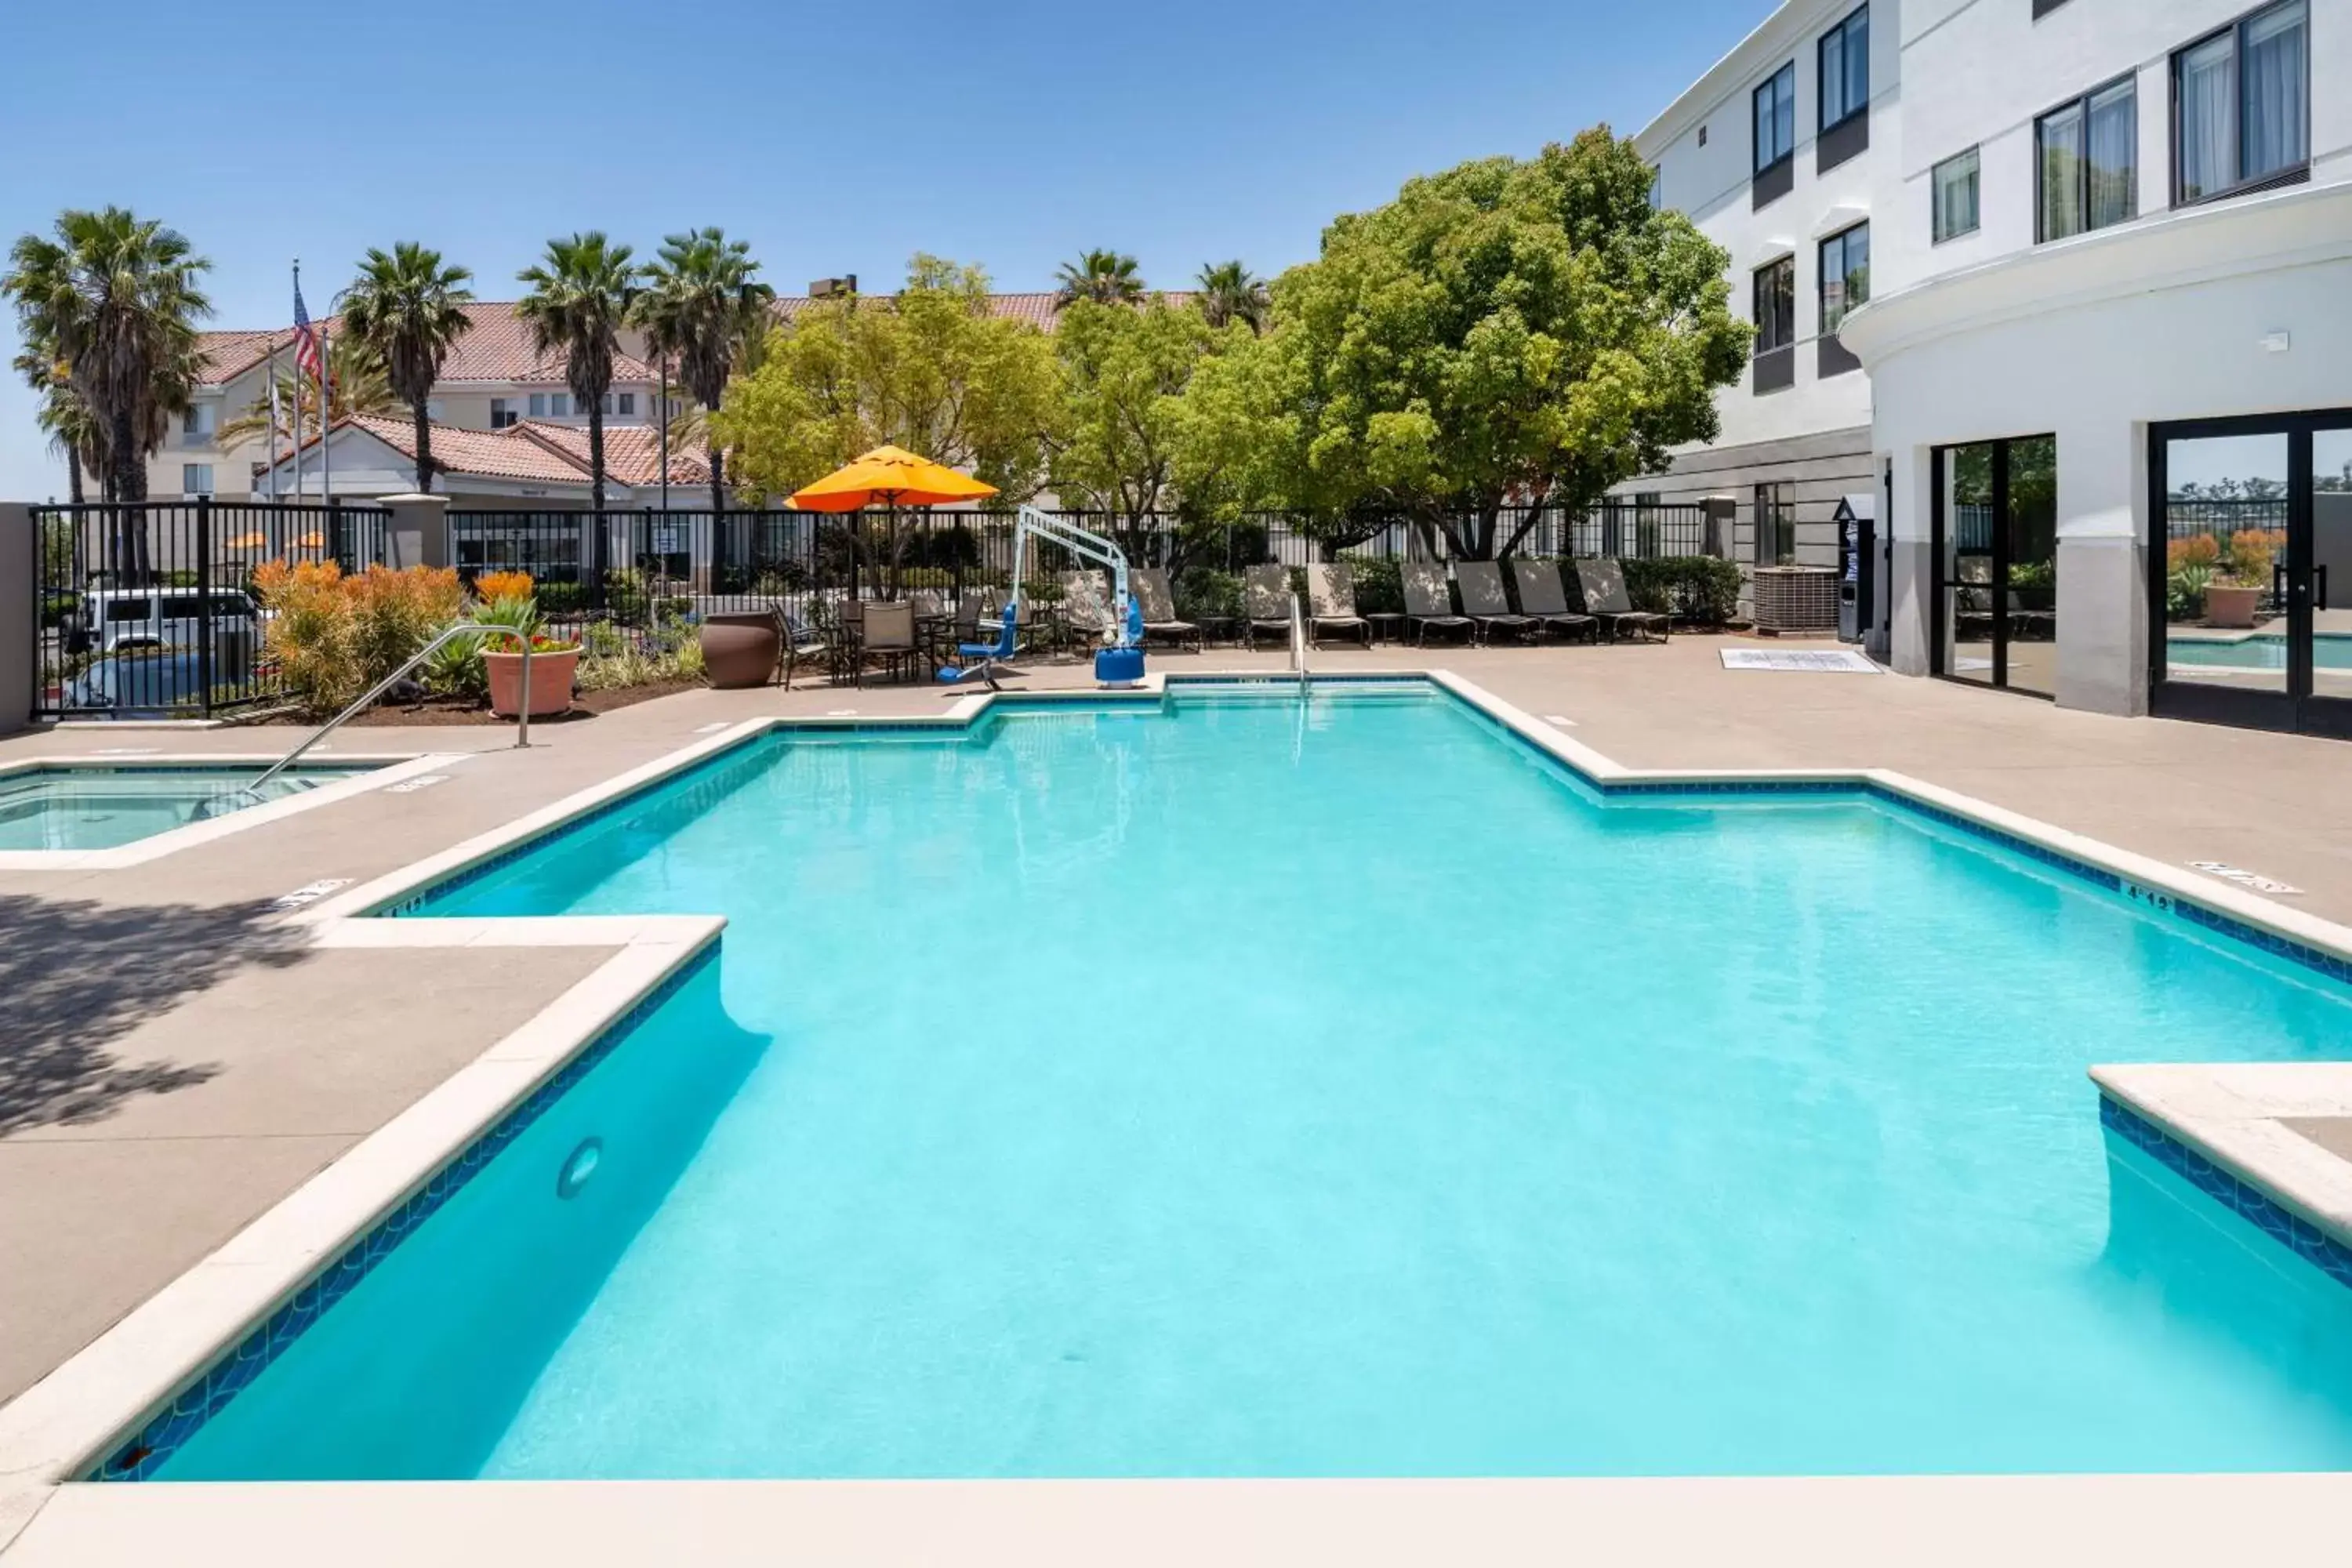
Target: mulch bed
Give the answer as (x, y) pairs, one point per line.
(448, 710)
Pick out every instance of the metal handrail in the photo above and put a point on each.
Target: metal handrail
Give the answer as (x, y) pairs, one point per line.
(522, 728)
(1299, 643)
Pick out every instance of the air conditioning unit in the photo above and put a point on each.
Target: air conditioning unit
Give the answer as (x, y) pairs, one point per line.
(1796, 600)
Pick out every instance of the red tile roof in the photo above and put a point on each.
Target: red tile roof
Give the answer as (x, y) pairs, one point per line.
(631, 452)
(1037, 309)
(537, 453)
(499, 349)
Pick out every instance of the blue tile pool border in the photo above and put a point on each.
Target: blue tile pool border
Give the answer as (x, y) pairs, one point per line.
(163, 1434)
(2232, 1191)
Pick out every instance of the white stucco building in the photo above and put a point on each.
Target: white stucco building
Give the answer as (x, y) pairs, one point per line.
(2106, 354)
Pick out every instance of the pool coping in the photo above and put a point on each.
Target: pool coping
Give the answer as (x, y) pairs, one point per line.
(83, 1410)
(381, 769)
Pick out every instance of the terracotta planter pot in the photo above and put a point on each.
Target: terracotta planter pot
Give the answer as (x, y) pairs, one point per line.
(551, 681)
(740, 649)
(2231, 607)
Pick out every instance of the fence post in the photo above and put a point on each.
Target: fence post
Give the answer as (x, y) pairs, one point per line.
(22, 602)
(1722, 520)
(417, 531)
(205, 603)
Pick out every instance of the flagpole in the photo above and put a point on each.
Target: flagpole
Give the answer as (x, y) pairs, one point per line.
(326, 417)
(272, 443)
(297, 398)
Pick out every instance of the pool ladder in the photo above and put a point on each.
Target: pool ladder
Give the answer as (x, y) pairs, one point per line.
(1298, 643)
(462, 628)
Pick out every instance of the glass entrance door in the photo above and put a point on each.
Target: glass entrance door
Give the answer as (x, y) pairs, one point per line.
(1997, 563)
(2255, 519)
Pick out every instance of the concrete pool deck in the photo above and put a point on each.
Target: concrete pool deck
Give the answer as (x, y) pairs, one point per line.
(181, 1058)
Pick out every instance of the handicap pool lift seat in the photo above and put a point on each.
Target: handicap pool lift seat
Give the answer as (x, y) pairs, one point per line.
(1118, 663)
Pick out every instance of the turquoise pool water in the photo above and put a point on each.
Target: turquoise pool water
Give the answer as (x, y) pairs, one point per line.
(103, 808)
(2329, 650)
(1258, 1090)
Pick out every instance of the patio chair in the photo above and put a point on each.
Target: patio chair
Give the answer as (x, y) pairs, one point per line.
(1603, 582)
(801, 641)
(1542, 596)
(1266, 600)
(888, 637)
(1429, 602)
(1085, 604)
(1331, 601)
(1483, 601)
(1149, 585)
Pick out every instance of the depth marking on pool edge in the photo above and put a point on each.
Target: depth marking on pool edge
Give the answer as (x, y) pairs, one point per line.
(2229, 873)
(309, 892)
(422, 781)
(713, 729)
(1562, 719)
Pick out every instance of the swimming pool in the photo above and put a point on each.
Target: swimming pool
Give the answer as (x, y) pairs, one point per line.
(82, 807)
(1260, 1087)
(2329, 650)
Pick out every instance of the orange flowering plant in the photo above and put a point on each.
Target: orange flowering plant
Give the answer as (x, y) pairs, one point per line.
(335, 635)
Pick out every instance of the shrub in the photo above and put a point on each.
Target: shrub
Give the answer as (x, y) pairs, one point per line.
(2184, 592)
(558, 598)
(492, 586)
(2251, 551)
(1700, 589)
(2197, 550)
(333, 636)
(1379, 588)
(1206, 593)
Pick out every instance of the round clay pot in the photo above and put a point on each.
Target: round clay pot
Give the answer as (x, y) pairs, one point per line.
(740, 649)
(551, 681)
(2229, 605)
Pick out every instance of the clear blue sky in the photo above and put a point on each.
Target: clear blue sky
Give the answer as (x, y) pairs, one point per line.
(835, 139)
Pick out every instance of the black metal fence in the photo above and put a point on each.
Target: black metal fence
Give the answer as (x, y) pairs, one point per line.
(2186, 518)
(149, 609)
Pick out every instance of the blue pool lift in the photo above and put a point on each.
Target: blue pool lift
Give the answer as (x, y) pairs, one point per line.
(1118, 663)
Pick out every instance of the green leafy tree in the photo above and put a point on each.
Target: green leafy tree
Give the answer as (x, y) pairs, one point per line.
(115, 299)
(1126, 371)
(1105, 277)
(409, 311)
(1506, 333)
(580, 293)
(934, 371)
(1230, 292)
(62, 417)
(703, 307)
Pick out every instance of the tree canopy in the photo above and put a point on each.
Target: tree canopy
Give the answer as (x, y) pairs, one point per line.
(409, 308)
(935, 371)
(1126, 372)
(1505, 333)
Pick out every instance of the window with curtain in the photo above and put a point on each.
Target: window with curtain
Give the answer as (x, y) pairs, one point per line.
(1846, 274)
(1954, 196)
(2087, 162)
(1845, 68)
(2243, 104)
(1776, 305)
(1776, 118)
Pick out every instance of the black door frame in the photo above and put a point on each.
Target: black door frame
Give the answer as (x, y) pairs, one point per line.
(1939, 611)
(2297, 709)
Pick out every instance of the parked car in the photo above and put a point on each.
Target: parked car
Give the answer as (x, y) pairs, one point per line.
(117, 619)
(136, 683)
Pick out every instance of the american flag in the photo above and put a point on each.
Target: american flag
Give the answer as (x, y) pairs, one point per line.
(306, 342)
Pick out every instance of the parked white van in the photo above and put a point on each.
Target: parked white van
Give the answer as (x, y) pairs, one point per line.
(113, 619)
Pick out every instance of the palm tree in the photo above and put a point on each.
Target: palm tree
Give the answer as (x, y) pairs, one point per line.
(116, 297)
(580, 292)
(356, 378)
(62, 417)
(410, 311)
(1229, 294)
(1103, 276)
(702, 306)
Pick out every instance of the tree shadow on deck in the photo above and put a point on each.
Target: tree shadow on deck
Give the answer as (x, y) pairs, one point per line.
(75, 977)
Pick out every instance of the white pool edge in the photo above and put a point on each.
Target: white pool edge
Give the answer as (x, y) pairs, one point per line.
(56, 1430)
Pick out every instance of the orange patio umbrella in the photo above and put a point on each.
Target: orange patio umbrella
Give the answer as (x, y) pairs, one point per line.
(892, 477)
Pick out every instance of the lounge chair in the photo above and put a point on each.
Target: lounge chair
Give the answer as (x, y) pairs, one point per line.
(1265, 596)
(1428, 602)
(1542, 596)
(1603, 582)
(1483, 601)
(1331, 601)
(1149, 585)
(1085, 604)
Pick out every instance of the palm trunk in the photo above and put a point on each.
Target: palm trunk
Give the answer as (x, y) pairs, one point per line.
(130, 474)
(73, 473)
(601, 554)
(423, 449)
(718, 483)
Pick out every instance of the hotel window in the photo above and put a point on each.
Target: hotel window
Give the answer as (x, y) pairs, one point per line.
(2242, 106)
(559, 405)
(1775, 525)
(1846, 274)
(1657, 190)
(1776, 118)
(1955, 195)
(1776, 306)
(197, 424)
(2086, 163)
(626, 404)
(538, 406)
(1845, 70)
(502, 413)
(195, 479)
